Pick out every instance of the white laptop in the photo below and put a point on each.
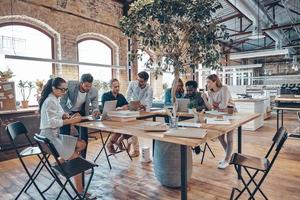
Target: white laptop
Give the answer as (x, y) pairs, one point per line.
(183, 105)
(108, 106)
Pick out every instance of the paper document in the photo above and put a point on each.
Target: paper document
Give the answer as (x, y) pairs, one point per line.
(7, 87)
(189, 124)
(215, 112)
(181, 132)
(217, 121)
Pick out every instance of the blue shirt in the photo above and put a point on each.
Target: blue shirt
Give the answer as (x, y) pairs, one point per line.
(168, 96)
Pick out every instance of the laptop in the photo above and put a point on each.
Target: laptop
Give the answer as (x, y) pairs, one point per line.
(183, 105)
(108, 106)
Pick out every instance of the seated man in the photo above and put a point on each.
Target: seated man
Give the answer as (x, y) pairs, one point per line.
(121, 104)
(194, 96)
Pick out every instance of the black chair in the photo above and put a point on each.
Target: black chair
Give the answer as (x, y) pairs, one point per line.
(259, 165)
(16, 130)
(67, 169)
(107, 155)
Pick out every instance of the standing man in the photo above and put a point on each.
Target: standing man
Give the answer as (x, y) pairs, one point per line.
(140, 90)
(77, 101)
(122, 104)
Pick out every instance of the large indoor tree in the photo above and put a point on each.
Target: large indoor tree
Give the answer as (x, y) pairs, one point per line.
(177, 34)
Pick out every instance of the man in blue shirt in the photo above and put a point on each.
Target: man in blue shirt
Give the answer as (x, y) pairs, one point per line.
(122, 103)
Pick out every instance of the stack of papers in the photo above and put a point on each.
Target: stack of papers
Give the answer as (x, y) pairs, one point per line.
(217, 121)
(215, 112)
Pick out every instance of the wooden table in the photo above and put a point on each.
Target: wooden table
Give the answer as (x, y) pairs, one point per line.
(135, 128)
(282, 108)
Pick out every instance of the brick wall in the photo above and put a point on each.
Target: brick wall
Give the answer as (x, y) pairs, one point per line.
(68, 20)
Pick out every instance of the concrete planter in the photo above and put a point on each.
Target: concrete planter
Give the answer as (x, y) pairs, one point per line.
(167, 163)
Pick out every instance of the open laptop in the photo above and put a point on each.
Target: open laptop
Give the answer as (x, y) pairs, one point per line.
(183, 105)
(108, 106)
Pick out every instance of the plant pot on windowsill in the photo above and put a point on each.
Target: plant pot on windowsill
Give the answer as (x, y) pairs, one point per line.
(25, 104)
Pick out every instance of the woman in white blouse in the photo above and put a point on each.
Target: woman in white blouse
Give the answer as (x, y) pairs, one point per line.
(53, 117)
(219, 98)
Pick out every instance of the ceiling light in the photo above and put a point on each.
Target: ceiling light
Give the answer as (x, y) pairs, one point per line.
(26, 58)
(254, 54)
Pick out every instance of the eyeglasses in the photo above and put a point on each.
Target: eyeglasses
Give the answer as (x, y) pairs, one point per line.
(62, 89)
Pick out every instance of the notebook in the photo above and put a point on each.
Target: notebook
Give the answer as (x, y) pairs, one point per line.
(179, 132)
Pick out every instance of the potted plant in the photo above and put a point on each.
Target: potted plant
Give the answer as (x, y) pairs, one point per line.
(39, 84)
(177, 35)
(25, 89)
(6, 75)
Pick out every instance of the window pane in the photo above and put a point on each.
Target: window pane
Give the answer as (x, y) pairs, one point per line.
(94, 51)
(26, 41)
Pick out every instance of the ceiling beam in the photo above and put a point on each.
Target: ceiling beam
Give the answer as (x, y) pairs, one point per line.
(286, 26)
(293, 11)
(221, 20)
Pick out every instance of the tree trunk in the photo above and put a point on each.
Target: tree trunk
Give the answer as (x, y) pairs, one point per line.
(173, 91)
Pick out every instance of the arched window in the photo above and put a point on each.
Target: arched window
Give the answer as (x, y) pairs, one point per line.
(23, 40)
(95, 51)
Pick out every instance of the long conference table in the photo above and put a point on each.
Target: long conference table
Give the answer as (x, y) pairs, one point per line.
(135, 128)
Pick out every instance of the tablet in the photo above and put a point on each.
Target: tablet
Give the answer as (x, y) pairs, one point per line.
(134, 105)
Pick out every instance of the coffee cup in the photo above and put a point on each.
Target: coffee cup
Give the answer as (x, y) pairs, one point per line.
(230, 110)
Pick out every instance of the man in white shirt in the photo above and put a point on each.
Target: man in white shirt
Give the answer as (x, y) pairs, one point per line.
(78, 99)
(139, 90)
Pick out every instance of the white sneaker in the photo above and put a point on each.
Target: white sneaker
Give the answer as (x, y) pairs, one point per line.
(223, 165)
(221, 161)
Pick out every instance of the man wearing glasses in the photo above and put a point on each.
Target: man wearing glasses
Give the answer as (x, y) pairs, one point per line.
(77, 100)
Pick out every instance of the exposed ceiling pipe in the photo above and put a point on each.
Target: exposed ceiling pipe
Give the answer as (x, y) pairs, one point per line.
(250, 9)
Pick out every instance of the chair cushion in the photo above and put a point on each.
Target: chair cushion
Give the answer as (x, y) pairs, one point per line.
(73, 167)
(250, 161)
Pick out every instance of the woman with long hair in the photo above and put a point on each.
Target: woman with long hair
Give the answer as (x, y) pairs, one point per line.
(53, 117)
(219, 98)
